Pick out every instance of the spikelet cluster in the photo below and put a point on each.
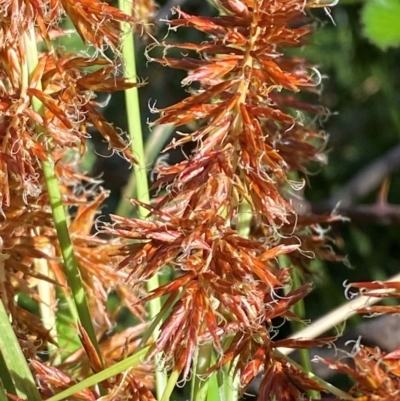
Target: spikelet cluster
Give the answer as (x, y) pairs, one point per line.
(48, 107)
(254, 133)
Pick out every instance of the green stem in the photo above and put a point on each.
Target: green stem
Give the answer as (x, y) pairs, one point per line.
(59, 216)
(46, 293)
(134, 123)
(300, 311)
(142, 187)
(202, 364)
(244, 222)
(231, 383)
(169, 386)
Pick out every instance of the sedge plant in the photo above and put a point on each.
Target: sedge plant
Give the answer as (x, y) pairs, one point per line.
(224, 220)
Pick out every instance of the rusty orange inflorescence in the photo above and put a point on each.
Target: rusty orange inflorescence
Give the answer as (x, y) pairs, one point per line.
(252, 135)
(226, 218)
(47, 108)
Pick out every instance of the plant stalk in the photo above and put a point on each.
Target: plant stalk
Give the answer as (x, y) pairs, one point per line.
(139, 178)
(140, 173)
(203, 360)
(300, 311)
(59, 215)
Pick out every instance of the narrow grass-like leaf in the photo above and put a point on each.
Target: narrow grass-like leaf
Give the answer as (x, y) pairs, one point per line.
(335, 317)
(214, 390)
(159, 318)
(68, 339)
(214, 387)
(221, 387)
(15, 361)
(5, 377)
(105, 374)
(169, 388)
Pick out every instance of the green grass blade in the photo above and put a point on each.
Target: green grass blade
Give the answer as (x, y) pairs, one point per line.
(214, 391)
(221, 386)
(300, 311)
(15, 361)
(170, 385)
(159, 318)
(46, 293)
(68, 340)
(105, 374)
(5, 377)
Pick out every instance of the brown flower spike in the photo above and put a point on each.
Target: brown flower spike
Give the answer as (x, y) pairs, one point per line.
(252, 132)
(47, 107)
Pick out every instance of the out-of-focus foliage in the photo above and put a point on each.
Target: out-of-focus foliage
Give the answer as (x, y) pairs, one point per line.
(381, 22)
(362, 90)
